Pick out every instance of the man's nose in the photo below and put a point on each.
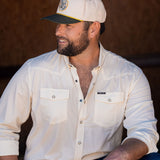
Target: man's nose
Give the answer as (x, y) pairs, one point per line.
(60, 29)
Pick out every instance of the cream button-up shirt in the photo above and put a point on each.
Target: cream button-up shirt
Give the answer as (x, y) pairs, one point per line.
(65, 125)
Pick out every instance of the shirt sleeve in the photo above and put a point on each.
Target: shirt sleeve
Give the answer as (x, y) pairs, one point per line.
(14, 110)
(140, 120)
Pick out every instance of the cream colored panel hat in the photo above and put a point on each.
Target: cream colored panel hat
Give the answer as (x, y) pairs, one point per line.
(73, 11)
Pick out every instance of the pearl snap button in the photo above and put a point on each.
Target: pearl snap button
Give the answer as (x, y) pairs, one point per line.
(79, 142)
(53, 96)
(109, 100)
(81, 122)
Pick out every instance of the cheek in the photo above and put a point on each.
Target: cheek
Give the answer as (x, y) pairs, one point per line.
(75, 36)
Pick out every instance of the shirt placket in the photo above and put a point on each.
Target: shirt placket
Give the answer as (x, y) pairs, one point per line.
(81, 111)
(80, 131)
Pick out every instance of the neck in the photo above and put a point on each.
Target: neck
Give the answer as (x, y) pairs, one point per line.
(87, 59)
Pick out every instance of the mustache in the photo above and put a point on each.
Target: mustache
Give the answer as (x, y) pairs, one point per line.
(61, 37)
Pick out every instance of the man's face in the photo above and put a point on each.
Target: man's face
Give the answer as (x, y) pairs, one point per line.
(72, 39)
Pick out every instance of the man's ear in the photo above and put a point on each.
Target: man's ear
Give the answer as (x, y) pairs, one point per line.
(94, 30)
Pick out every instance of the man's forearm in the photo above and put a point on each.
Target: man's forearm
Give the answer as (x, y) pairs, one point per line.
(135, 148)
(131, 149)
(8, 158)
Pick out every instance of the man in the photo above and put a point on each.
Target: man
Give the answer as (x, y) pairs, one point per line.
(80, 96)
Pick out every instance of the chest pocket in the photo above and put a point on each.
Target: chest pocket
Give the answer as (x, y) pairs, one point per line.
(108, 109)
(53, 104)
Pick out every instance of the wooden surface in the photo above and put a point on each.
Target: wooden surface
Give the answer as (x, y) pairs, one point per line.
(132, 27)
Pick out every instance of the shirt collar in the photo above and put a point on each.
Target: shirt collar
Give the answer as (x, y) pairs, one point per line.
(102, 56)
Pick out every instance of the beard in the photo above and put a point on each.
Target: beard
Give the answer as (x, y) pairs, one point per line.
(71, 49)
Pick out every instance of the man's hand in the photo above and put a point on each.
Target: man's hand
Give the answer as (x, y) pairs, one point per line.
(131, 149)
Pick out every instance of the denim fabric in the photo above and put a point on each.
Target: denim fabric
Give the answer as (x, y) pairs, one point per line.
(151, 156)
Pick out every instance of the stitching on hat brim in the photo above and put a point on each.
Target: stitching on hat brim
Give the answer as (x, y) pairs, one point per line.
(60, 18)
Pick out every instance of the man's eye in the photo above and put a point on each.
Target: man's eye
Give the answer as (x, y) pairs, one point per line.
(68, 25)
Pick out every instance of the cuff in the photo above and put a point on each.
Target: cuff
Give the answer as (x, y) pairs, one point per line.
(9, 148)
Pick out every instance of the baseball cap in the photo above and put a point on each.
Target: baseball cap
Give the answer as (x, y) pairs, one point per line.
(73, 11)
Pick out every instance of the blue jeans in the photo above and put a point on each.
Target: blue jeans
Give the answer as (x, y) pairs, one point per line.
(151, 156)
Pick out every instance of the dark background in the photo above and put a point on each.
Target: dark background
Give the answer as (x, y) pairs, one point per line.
(132, 31)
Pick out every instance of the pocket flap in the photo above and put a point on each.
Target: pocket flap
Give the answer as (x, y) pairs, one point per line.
(110, 97)
(54, 94)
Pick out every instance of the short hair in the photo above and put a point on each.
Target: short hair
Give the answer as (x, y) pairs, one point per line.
(103, 28)
(87, 24)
